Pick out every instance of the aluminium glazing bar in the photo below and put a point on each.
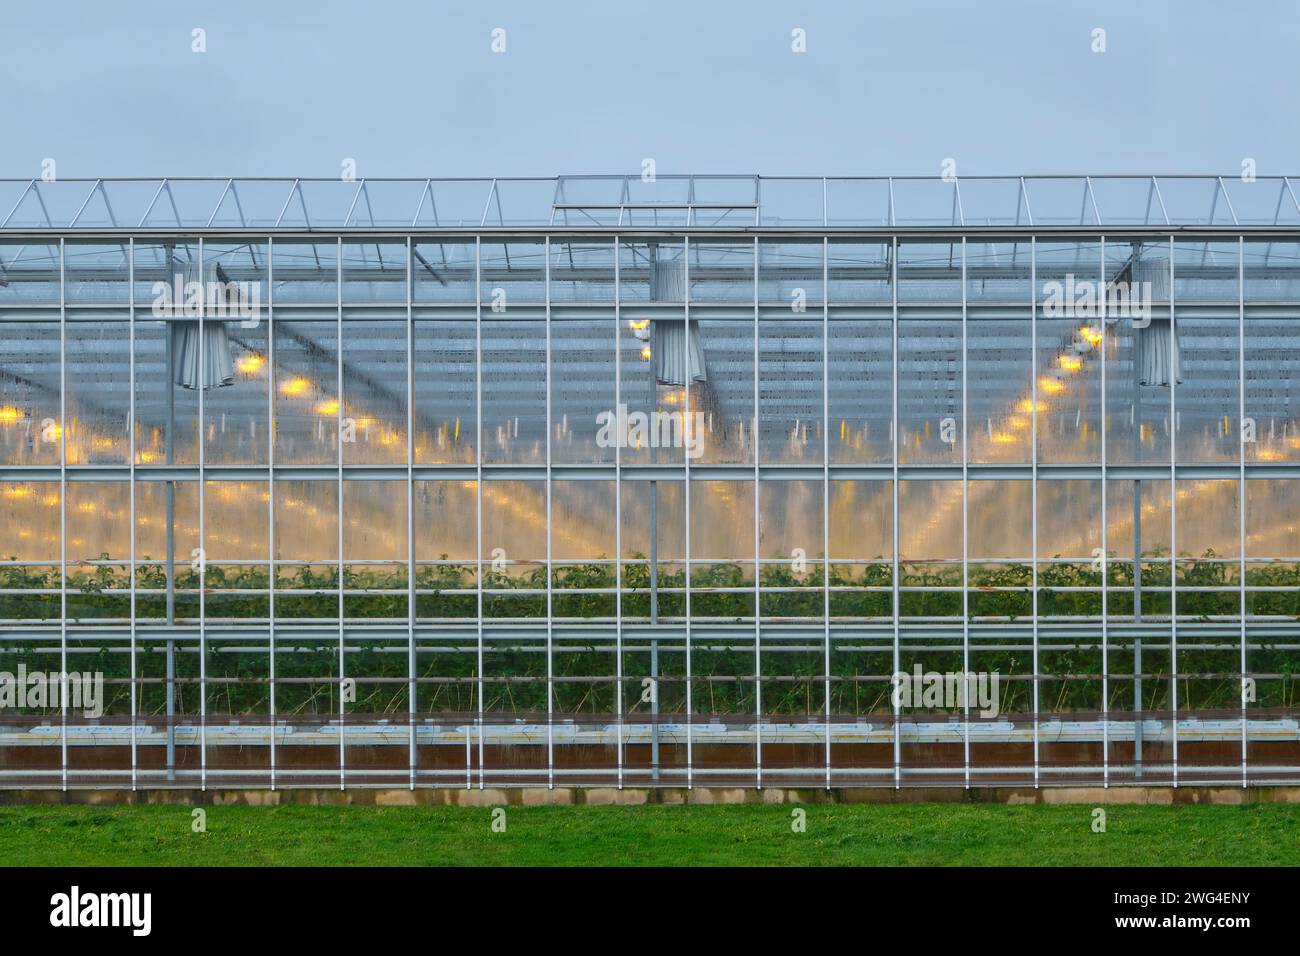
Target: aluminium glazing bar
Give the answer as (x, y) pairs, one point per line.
(826, 493)
(82, 208)
(1242, 496)
(1105, 523)
(130, 439)
(686, 417)
(338, 498)
(1033, 514)
(270, 486)
(965, 522)
(230, 183)
(1033, 491)
(203, 386)
(894, 446)
(550, 567)
(1175, 371)
(618, 524)
(478, 488)
(411, 601)
(63, 515)
(758, 552)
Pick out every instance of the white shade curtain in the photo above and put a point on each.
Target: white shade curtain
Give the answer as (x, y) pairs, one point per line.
(200, 358)
(676, 363)
(201, 367)
(668, 280)
(1159, 363)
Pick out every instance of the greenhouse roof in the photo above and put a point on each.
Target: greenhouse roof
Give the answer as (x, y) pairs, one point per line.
(630, 202)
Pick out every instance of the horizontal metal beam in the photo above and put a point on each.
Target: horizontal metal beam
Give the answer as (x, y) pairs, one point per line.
(660, 472)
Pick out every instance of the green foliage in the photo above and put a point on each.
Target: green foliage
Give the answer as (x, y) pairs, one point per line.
(515, 677)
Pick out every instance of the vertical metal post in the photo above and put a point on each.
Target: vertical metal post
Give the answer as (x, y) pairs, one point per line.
(1173, 506)
(270, 487)
(686, 395)
(203, 384)
(1033, 520)
(758, 555)
(653, 270)
(965, 523)
(169, 442)
(550, 568)
(826, 490)
(338, 450)
(1241, 490)
(654, 628)
(1138, 347)
(478, 487)
(63, 515)
(895, 445)
(1105, 538)
(130, 438)
(618, 523)
(411, 597)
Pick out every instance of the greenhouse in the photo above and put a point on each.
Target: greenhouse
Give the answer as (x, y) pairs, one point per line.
(612, 481)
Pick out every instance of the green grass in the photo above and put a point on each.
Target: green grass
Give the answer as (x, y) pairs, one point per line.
(741, 835)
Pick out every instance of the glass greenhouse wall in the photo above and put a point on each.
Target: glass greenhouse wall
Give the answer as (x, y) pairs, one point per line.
(635, 484)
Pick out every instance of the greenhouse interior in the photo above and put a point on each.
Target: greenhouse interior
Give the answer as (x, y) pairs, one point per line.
(607, 481)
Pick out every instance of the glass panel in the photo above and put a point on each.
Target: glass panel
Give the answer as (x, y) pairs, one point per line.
(582, 270)
(306, 393)
(374, 392)
(1140, 358)
(96, 272)
(790, 391)
(446, 384)
(511, 272)
(861, 391)
(306, 272)
(929, 391)
(514, 391)
(443, 271)
(859, 272)
(374, 272)
(29, 393)
(29, 273)
(1272, 354)
(584, 415)
(722, 272)
(1070, 354)
(98, 382)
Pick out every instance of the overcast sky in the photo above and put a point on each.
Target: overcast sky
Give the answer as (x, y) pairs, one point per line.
(415, 89)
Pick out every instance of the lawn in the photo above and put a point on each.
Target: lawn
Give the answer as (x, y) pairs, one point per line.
(740, 835)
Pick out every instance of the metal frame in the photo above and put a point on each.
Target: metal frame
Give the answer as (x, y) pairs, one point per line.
(598, 213)
(833, 635)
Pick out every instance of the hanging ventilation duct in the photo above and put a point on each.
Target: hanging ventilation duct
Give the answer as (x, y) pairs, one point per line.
(211, 364)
